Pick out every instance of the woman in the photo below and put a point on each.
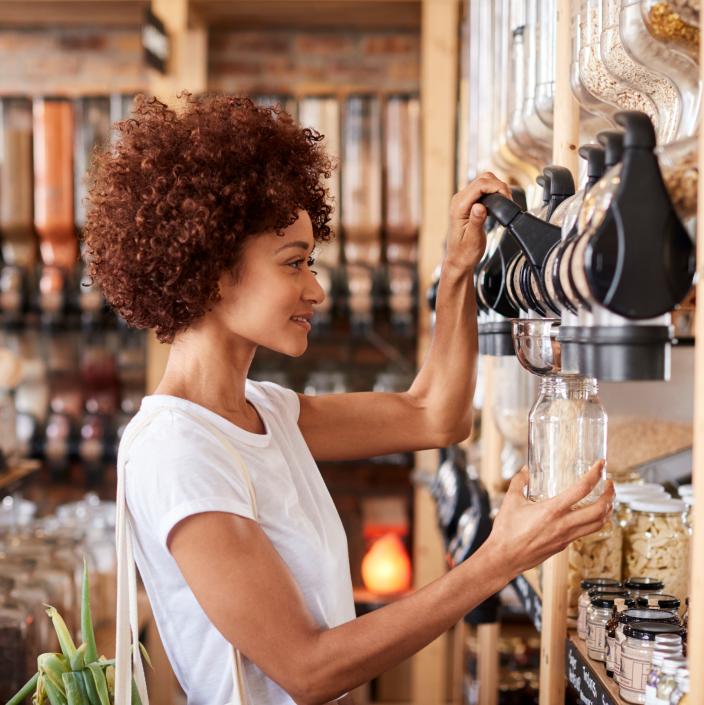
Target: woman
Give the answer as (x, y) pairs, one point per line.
(203, 226)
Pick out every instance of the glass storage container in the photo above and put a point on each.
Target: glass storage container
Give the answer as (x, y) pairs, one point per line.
(361, 179)
(656, 37)
(598, 553)
(516, 391)
(19, 243)
(538, 123)
(594, 75)
(679, 163)
(518, 131)
(643, 586)
(657, 86)
(656, 544)
(403, 172)
(636, 657)
(484, 90)
(567, 435)
(584, 599)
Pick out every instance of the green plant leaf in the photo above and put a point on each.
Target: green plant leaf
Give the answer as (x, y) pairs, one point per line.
(24, 691)
(75, 690)
(68, 648)
(87, 631)
(101, 685)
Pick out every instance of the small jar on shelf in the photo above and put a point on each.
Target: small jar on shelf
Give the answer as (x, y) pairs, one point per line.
(643, 586)
(584, 600)
(660, 653)
(656, 544)
(636, 657)
(601, 611)
(668, 679)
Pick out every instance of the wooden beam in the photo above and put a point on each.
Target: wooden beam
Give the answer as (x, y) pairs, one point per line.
(695, 641)
(565, 142)
(439, 63)
(187, 70)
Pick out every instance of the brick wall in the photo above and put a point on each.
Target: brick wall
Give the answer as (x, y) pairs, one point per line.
(82, 61)
(71, 62)
(298, 62)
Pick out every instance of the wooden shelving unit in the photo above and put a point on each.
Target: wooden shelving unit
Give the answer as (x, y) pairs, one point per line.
(13, 476)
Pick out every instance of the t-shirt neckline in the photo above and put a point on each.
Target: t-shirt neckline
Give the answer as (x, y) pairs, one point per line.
(225, 425)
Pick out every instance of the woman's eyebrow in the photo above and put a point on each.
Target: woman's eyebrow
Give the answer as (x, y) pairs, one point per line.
(302, 244)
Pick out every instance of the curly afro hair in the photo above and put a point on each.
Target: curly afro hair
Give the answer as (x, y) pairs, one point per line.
(171, 203)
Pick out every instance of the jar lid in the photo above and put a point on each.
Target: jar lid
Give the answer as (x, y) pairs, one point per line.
(626, 488)
(589, 583)
(667, 640)
(672, 663)
(685, 490)
(658, 506)
(647, 631)
(644, 583)
(648, 615)
(659, 599)
(608, 599)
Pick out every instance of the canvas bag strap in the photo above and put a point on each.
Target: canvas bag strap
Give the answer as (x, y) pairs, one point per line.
(127, 629)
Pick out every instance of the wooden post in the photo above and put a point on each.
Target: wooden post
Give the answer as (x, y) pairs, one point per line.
(187, 70)
(695, 640)
(439, 52)
(565, 143)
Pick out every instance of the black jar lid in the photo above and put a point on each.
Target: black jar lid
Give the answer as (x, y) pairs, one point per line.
(608, 599)
(589, 583)
(648, 615)
(647, 631)
(659, 600)
(643, 584)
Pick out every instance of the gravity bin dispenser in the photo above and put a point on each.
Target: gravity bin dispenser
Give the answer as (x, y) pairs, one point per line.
(614, 280)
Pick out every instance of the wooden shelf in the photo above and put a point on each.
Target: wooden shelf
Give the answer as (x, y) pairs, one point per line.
(14, 475)
(587, 678)
(29, 14)
(309, 14)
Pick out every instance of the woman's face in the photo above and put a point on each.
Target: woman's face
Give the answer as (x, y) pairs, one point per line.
(271, 302)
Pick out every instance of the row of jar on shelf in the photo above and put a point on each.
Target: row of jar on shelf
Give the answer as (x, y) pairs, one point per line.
(640, 635)
(625, 55)
(67, 397)
(41, 562)
(358, 294)
(46, 149)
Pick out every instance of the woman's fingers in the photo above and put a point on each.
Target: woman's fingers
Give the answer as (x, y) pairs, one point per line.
(575, 494)
(518, 482)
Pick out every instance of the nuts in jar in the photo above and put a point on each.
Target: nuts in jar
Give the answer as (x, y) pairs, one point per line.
(656, 544)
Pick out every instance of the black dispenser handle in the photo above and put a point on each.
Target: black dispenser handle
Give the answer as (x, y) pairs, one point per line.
(595, 157)
(561, 186)
(502, 208)
(640, 133)
(612, 142)
(519, 196)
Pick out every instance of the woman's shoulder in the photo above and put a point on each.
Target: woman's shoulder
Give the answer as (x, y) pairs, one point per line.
(274, 398)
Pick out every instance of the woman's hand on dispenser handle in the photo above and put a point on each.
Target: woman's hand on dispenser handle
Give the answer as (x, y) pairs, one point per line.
(527, 533)
(466, 240)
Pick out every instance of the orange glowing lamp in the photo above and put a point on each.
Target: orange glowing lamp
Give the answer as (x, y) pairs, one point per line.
(386, 568)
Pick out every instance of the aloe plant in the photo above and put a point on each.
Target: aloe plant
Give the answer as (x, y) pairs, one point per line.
(76, 676)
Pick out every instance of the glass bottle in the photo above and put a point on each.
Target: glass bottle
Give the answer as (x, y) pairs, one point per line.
(680, 693)
(567, 435)
(655, 673)
(667, 681)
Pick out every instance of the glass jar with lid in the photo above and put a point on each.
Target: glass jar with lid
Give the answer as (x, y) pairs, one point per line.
(598, 553)
(630, 493)
(654, 33)
(656, 544)
(600, 611)
(567, 435)
(681, 693)
(655, 672)
(679, 163)
(657, 86)
(613, 647)
(667, 682)
(636, 657)
(660, 601)
(584, 600)
(642, 586)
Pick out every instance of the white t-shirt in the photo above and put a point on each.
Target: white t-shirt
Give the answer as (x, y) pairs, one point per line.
(177, 468)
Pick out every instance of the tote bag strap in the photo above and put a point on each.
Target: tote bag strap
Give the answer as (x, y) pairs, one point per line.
(127, 625)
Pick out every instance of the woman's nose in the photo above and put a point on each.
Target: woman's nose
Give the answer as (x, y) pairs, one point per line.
(314, 291)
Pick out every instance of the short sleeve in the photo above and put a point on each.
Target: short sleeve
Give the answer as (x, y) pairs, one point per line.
(284, 402)
(175, 469)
